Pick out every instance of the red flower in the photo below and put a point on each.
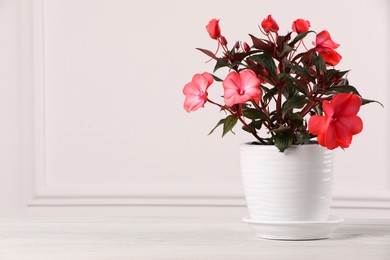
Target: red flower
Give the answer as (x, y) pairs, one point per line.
(329, 55)
(340, 122)
(241, 87)
(269, 24)
(300, 26)
(323, 40)
(325, 47)
(213, 29)
(196, 91)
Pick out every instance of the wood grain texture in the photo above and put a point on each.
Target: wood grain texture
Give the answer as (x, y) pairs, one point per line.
(161, 238)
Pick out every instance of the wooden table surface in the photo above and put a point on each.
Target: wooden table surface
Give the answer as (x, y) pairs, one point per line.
(165, 238)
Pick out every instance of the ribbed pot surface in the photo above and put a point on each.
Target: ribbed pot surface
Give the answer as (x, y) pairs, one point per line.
(292, 186)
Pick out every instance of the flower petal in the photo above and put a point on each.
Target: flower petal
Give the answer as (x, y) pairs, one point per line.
(193, 102)
(328, 108)
(249, 79)
(269, 24)
(317, 124)
(231, 85)
(330, 137)
(196, 91)
(250, 83)
(208, 77)
(343, 135)
(191, 89)
(329, 55)
(346, 104)
(352, 124)
(300, 26)
(213, 29)
(324, 40)
(201, 82)
(241, 87)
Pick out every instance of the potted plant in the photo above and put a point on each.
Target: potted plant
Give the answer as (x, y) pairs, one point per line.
(297, 106)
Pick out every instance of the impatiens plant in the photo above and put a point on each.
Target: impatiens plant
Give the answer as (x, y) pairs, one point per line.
(280, 84)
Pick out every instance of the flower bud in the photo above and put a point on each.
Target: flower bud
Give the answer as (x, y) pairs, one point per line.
(224, 41)
(246, 47)
(213, 29)
(269, 24)
(300, 26)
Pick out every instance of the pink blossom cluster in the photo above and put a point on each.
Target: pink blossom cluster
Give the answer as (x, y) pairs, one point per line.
(332, 119)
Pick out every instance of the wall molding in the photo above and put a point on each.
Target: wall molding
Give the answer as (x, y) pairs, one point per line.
(38, 192)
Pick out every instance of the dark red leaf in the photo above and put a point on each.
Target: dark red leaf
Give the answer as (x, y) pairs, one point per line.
(262, 45)
(208, 53)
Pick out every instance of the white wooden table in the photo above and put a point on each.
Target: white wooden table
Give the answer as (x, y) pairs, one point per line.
(163, 238)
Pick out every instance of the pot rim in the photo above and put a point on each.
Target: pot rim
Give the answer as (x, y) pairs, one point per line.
(313, 143)
(294, 147)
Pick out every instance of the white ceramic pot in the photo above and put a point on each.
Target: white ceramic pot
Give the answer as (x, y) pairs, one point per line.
(292, 186)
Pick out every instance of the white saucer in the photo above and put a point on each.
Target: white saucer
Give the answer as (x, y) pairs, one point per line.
(298, 230)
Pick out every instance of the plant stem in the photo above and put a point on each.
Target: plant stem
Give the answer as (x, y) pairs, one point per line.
(311, 104)
(279, 102)
(267, 124)
(307, 108)
(253, 131)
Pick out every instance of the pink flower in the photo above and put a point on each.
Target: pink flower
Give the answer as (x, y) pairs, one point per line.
(325, 47)
(196, 91)
(213, 29)
(340, 122)
(300, 26)
(241, 87)
(269, 24)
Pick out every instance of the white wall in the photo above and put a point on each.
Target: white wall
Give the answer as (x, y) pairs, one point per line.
(92, 118)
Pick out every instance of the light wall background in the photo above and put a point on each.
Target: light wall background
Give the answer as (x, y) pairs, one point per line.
(91, 106)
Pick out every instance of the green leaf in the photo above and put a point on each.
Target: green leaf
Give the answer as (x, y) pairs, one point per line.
(296, 117)
(283, 139)
(285, 76)
(221, 62)
(295, 102)
(257, 124)
(252, 126)
(286, 49)
(254, 114)
(218, 124)
(303, 86)
(300, 70)
(229, 123)
(292, 90)
(320, 64)
(217, 79)
(342, 89)
(299, 37)
(297, 120)
(270, 93)
(303, 138)
(367, 101)
(266, 61)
